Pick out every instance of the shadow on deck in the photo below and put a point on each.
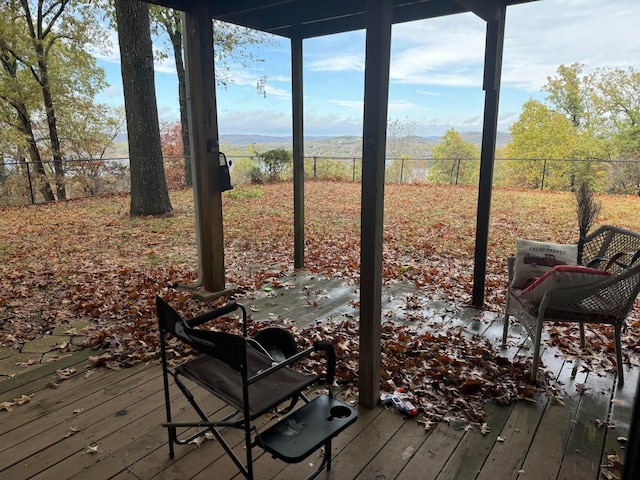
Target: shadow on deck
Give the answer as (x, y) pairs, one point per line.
(107, 424)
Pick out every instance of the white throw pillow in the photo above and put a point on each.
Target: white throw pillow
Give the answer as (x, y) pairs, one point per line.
(562, 276)
(533, 259)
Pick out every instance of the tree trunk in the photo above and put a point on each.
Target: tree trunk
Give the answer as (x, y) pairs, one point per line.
(175, 34)
(52, 123)
(149, 193)
(25, 128)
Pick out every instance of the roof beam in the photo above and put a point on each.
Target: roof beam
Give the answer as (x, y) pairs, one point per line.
(481, 9)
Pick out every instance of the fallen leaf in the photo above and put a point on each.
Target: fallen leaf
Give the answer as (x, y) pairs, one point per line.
(485, 429)
(72, 431)
(407, 452)
(500, 439)
(92, 449)
(198, 441)
(22, 400)
(6, 406)
(581, 388)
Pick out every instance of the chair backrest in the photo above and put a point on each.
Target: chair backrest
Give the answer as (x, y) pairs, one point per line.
(226, 347)
(607, 241)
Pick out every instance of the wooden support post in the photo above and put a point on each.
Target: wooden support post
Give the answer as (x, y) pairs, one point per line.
(298, 152)
(203, 121)
(492, 74)
(376, 97)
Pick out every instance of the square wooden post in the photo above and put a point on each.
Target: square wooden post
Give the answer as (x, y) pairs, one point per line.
(376, 99)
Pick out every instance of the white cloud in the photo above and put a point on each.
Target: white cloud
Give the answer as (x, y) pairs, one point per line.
(431, 60)
(401, 106)
(348, 103)
(337, 63)
(429, 93)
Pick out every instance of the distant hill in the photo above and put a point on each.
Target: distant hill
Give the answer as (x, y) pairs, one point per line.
(241, 139)
(325, 146)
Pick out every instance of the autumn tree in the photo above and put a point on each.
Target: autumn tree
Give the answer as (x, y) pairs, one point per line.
(47, 76)
(604, 107)
(17, 99)
(541, 140)
(149, 193)
(230, 42)
(454, 160)
(401, 147)
(55, 29)
(570, 92)
(618, 95)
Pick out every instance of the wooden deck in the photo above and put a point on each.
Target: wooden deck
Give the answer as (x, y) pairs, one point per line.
(107, 424)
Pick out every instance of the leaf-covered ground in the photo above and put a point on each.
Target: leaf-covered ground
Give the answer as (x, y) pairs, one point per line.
(89, 260)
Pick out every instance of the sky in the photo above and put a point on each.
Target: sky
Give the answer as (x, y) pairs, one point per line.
(436, 70)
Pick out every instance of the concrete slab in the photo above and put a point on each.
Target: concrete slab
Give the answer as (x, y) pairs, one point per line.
(7, 352)
(54, 356)
(72, 328)
(19, 363)
(45, 344)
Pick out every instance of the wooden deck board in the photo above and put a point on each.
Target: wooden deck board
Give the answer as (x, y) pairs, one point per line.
(586, 440)
(467, 459)
(121, 413)
(620, 416)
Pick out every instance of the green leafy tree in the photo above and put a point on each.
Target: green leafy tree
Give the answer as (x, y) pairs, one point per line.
(275, 162)
(570, 92)
(541, 138)
(59, 31)
(455, 161)
(618, 95)
(47, 77)
(17, 95)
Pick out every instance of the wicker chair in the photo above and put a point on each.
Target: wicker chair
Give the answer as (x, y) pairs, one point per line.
(607, 301)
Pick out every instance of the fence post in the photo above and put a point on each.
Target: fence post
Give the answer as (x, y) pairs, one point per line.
(315, 172)
(33, 198)
(353, 171)
(457, 170)
(401, 169)
(544, 173)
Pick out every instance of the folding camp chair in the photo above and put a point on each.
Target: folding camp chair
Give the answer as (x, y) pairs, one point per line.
(240, 372)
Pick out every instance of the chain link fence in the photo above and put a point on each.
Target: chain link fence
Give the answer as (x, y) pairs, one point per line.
(23, 183)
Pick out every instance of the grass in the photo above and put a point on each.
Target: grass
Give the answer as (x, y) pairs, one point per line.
(88, 257)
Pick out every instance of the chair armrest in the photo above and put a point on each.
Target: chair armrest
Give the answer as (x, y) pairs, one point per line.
(325, 346)
(612, 296)
(219, 312)
(330, 352)
(511, 263)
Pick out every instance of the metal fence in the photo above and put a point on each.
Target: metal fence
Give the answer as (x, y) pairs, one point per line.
(23, 183)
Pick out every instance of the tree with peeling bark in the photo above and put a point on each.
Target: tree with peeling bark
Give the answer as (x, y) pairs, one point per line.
(149, 192)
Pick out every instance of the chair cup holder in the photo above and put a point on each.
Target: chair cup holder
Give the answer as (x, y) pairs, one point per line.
(339, 411)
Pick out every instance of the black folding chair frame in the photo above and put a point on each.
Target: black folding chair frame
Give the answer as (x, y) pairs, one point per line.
(217, 349)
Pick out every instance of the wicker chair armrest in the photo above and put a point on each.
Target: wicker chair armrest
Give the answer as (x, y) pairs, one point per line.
(612, 296)
(511, 263)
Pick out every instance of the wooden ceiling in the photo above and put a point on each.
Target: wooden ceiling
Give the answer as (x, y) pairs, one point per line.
(314, 18)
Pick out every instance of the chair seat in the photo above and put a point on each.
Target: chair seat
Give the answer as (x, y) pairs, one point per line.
(265, 394)
(558, 315)
(304, 431)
